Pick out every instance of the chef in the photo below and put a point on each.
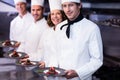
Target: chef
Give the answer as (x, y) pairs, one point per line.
(81, 46)
(48, 41)
(33, 35)
(21, 23)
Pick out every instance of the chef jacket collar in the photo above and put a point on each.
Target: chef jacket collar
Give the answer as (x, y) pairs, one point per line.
(79, 18)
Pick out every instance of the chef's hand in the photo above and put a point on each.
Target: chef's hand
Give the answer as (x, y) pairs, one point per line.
(17, 44)
(26, 56)
(23, 60)
(42, 64)
(70, 74)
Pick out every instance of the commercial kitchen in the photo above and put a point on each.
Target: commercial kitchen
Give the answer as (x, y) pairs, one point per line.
(105, 13)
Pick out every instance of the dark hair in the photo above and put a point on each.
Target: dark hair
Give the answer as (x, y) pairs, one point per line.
(50, 23)
(79, 4)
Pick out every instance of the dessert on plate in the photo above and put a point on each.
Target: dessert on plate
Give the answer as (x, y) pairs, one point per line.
(14, 54)
(52, 71)
(27, 62)
(7, 43)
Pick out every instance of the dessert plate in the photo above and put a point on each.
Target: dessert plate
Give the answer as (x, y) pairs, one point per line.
(30, 64)
(45, 71)
(10, 55)
(8, 43)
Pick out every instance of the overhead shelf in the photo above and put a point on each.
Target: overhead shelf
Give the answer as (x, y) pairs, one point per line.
(101, 5)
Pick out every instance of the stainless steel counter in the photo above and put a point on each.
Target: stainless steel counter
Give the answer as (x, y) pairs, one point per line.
(10, 71)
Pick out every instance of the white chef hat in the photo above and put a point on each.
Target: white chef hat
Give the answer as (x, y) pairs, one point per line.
(17, 1)
(37, 2)
(55, 4)
(77, 1)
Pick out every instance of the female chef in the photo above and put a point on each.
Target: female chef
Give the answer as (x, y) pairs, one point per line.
(48, 42)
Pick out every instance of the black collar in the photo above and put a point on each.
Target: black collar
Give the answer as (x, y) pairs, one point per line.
(79, 18)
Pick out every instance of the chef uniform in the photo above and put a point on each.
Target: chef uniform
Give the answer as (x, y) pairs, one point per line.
(19, 26)
(48, 46)
(33, 36)
(48, 43)
(48, 39)
(82, 50)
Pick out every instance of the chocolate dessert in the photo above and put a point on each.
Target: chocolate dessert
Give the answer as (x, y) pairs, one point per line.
(7, 43)
(14, 54)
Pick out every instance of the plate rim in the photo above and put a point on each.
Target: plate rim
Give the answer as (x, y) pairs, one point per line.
(1, 43)
(17, 63)
(10, 52)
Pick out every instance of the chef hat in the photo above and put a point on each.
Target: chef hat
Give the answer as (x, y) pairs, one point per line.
(55, 4)
(16, 1)
(37, 2)
(77, 1)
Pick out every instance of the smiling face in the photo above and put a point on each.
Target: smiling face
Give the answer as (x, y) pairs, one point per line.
(21, 8)
(56, 17)
(37, 12)
(71, 9)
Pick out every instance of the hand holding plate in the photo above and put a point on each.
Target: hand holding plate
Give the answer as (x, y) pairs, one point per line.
(42, 64)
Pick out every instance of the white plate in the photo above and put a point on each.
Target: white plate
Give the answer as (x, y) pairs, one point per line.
(43, 71)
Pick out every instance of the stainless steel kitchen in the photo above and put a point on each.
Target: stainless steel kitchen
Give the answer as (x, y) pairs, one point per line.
(105, 13)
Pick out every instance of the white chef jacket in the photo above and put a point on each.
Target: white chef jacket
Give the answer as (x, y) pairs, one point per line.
(82, 52)
(32, 39)
(48, 46)
(19, 26)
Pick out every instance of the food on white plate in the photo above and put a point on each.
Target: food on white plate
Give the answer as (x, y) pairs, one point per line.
(52, 71)
(27, 62)
(14, 54)
(7, 43)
